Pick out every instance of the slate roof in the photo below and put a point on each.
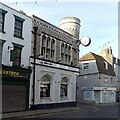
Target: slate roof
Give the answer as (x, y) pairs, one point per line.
(100, 62)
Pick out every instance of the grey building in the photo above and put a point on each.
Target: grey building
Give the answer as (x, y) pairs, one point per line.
(96, 81)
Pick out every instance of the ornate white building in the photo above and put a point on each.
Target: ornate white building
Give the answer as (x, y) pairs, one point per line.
(56, 63)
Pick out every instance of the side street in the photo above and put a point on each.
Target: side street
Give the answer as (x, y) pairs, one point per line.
(42, 73)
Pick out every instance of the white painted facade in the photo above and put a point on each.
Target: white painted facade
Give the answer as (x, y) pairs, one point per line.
(55, 72)
(10, 40)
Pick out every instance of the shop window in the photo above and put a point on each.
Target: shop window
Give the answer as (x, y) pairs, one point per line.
(64, 88)
(45, 87)
(2, 19)
(18, 27)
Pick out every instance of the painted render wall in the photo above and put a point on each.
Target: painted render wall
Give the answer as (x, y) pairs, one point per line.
(57, 74)
(90, 78)
(9, 38)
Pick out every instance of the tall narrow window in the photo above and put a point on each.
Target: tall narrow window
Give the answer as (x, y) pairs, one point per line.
(43, 45)
(18, 27)
(2, 19)
(15, 55)
(64, 87)
(52, 48)
(1, 49)
(45, 87)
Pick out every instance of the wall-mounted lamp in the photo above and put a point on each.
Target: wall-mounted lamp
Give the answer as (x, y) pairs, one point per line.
(85, 41)
(10, 48)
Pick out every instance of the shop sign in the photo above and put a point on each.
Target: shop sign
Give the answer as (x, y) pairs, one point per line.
(13, 73)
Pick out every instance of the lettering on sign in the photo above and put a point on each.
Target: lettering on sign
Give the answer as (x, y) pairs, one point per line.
(12, 73)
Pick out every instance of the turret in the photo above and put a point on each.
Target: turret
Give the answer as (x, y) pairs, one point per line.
(70, 25)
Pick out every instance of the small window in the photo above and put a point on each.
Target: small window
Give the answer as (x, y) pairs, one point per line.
(18, 27)
(105, 65)
(85, 66)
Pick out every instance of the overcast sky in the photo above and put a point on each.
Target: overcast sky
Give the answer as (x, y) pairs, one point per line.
(99, 20)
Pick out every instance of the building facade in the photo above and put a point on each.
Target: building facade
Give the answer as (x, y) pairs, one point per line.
(115, 62)
(15, 51)
(56, 65)
(96, 81)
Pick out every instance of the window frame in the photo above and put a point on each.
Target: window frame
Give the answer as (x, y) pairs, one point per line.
(2, 23)
(17, 60)
(18, 27)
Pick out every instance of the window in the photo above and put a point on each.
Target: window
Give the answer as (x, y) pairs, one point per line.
(85, 66)
(45, 90)
(53, 44)
(43, 45)
(2, 19)
(63, 88)
(1, 49)
(15, 55)
(105, 65)
(48, 42)
(18, 27)
(45, 87)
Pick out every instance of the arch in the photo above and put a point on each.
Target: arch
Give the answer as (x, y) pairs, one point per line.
(48, 42)
(45, 85)
(43, 40)
(64, 86)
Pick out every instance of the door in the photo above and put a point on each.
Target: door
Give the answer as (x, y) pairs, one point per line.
(13, 98)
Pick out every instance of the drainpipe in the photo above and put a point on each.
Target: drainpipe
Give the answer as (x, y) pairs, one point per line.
(34, 57)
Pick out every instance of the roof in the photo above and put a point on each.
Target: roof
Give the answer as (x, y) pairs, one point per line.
(91, 56)
(100, 62)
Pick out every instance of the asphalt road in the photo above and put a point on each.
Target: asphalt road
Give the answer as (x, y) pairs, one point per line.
(110, 111)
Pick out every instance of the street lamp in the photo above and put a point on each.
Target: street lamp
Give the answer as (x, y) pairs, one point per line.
(34, 57)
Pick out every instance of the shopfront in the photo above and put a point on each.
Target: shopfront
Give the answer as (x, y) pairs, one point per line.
(15, 88)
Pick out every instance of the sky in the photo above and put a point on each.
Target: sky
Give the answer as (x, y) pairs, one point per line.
(99, 20)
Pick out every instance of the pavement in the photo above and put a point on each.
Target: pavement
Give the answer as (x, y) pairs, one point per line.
(15, 115)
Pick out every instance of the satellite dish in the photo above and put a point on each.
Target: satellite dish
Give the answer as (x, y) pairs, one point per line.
(85, 41)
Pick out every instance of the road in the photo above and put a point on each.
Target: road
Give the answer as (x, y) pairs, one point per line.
(110, 111)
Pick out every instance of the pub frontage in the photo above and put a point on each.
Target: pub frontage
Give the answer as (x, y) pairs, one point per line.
(15, 88)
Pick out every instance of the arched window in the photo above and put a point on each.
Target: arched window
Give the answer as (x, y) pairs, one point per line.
(48, 42)
(64, 87)
(53, 44)
(43, 40)
(43, 45)
(45, 86)
(62, 48)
